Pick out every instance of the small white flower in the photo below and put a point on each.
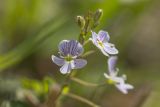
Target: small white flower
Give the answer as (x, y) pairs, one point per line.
(113, 78)
(101, 40)
(124, 87)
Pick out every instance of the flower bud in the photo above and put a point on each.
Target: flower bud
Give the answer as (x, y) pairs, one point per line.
(98, 14)
(81, 21)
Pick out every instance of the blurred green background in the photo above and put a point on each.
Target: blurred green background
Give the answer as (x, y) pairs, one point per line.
(30, 31)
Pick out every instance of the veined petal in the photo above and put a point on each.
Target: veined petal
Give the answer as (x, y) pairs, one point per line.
(66, 68)
(94, 37)
(110, 49)
(78, 63)
(103, 36)
(112, 63)
(80, 49)
(70, 47)
(94, 42)
(63, 47)
(58, 61)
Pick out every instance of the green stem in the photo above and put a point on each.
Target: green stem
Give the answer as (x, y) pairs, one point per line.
(84, 82)
(79, 98)
(66, 82)
(88, 53)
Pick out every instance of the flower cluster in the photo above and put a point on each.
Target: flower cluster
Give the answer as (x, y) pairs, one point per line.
(70, 52)
(101, 40)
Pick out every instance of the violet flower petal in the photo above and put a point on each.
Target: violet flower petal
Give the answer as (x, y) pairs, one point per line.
(66, 68)
(70, 47)
(121, 88)
(94, 38)
(112, 64)
(58, 61)
(110, 49)
(124, 87)
(103, 51)
(78, 63)
(103, 36)
(79, 50)
(63, 47)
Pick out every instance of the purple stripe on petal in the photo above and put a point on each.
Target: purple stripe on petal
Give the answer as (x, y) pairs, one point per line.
(94, 38)
(66, 68)
(76, 48)
(73, 47)
(63, 47)
(78, 63)
(79, 49)
(112, 63)
(103, 36)
(70, 47)
(57, 60)
(110, 49)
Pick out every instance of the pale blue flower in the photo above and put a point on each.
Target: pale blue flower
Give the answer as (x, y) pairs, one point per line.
(113, 78)
(69, 50)
(101, 40)
(124, 87)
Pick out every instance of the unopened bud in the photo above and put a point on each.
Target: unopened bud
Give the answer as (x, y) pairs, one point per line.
(98, 14)
(81, 21)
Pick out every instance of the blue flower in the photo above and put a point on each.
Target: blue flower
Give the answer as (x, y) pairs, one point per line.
(101, 40)
(69, 50)
(113, 77)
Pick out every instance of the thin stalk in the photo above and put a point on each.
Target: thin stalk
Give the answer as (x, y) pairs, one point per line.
(84, 100)
(88, 53)
(66, 82)
(84, 82)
